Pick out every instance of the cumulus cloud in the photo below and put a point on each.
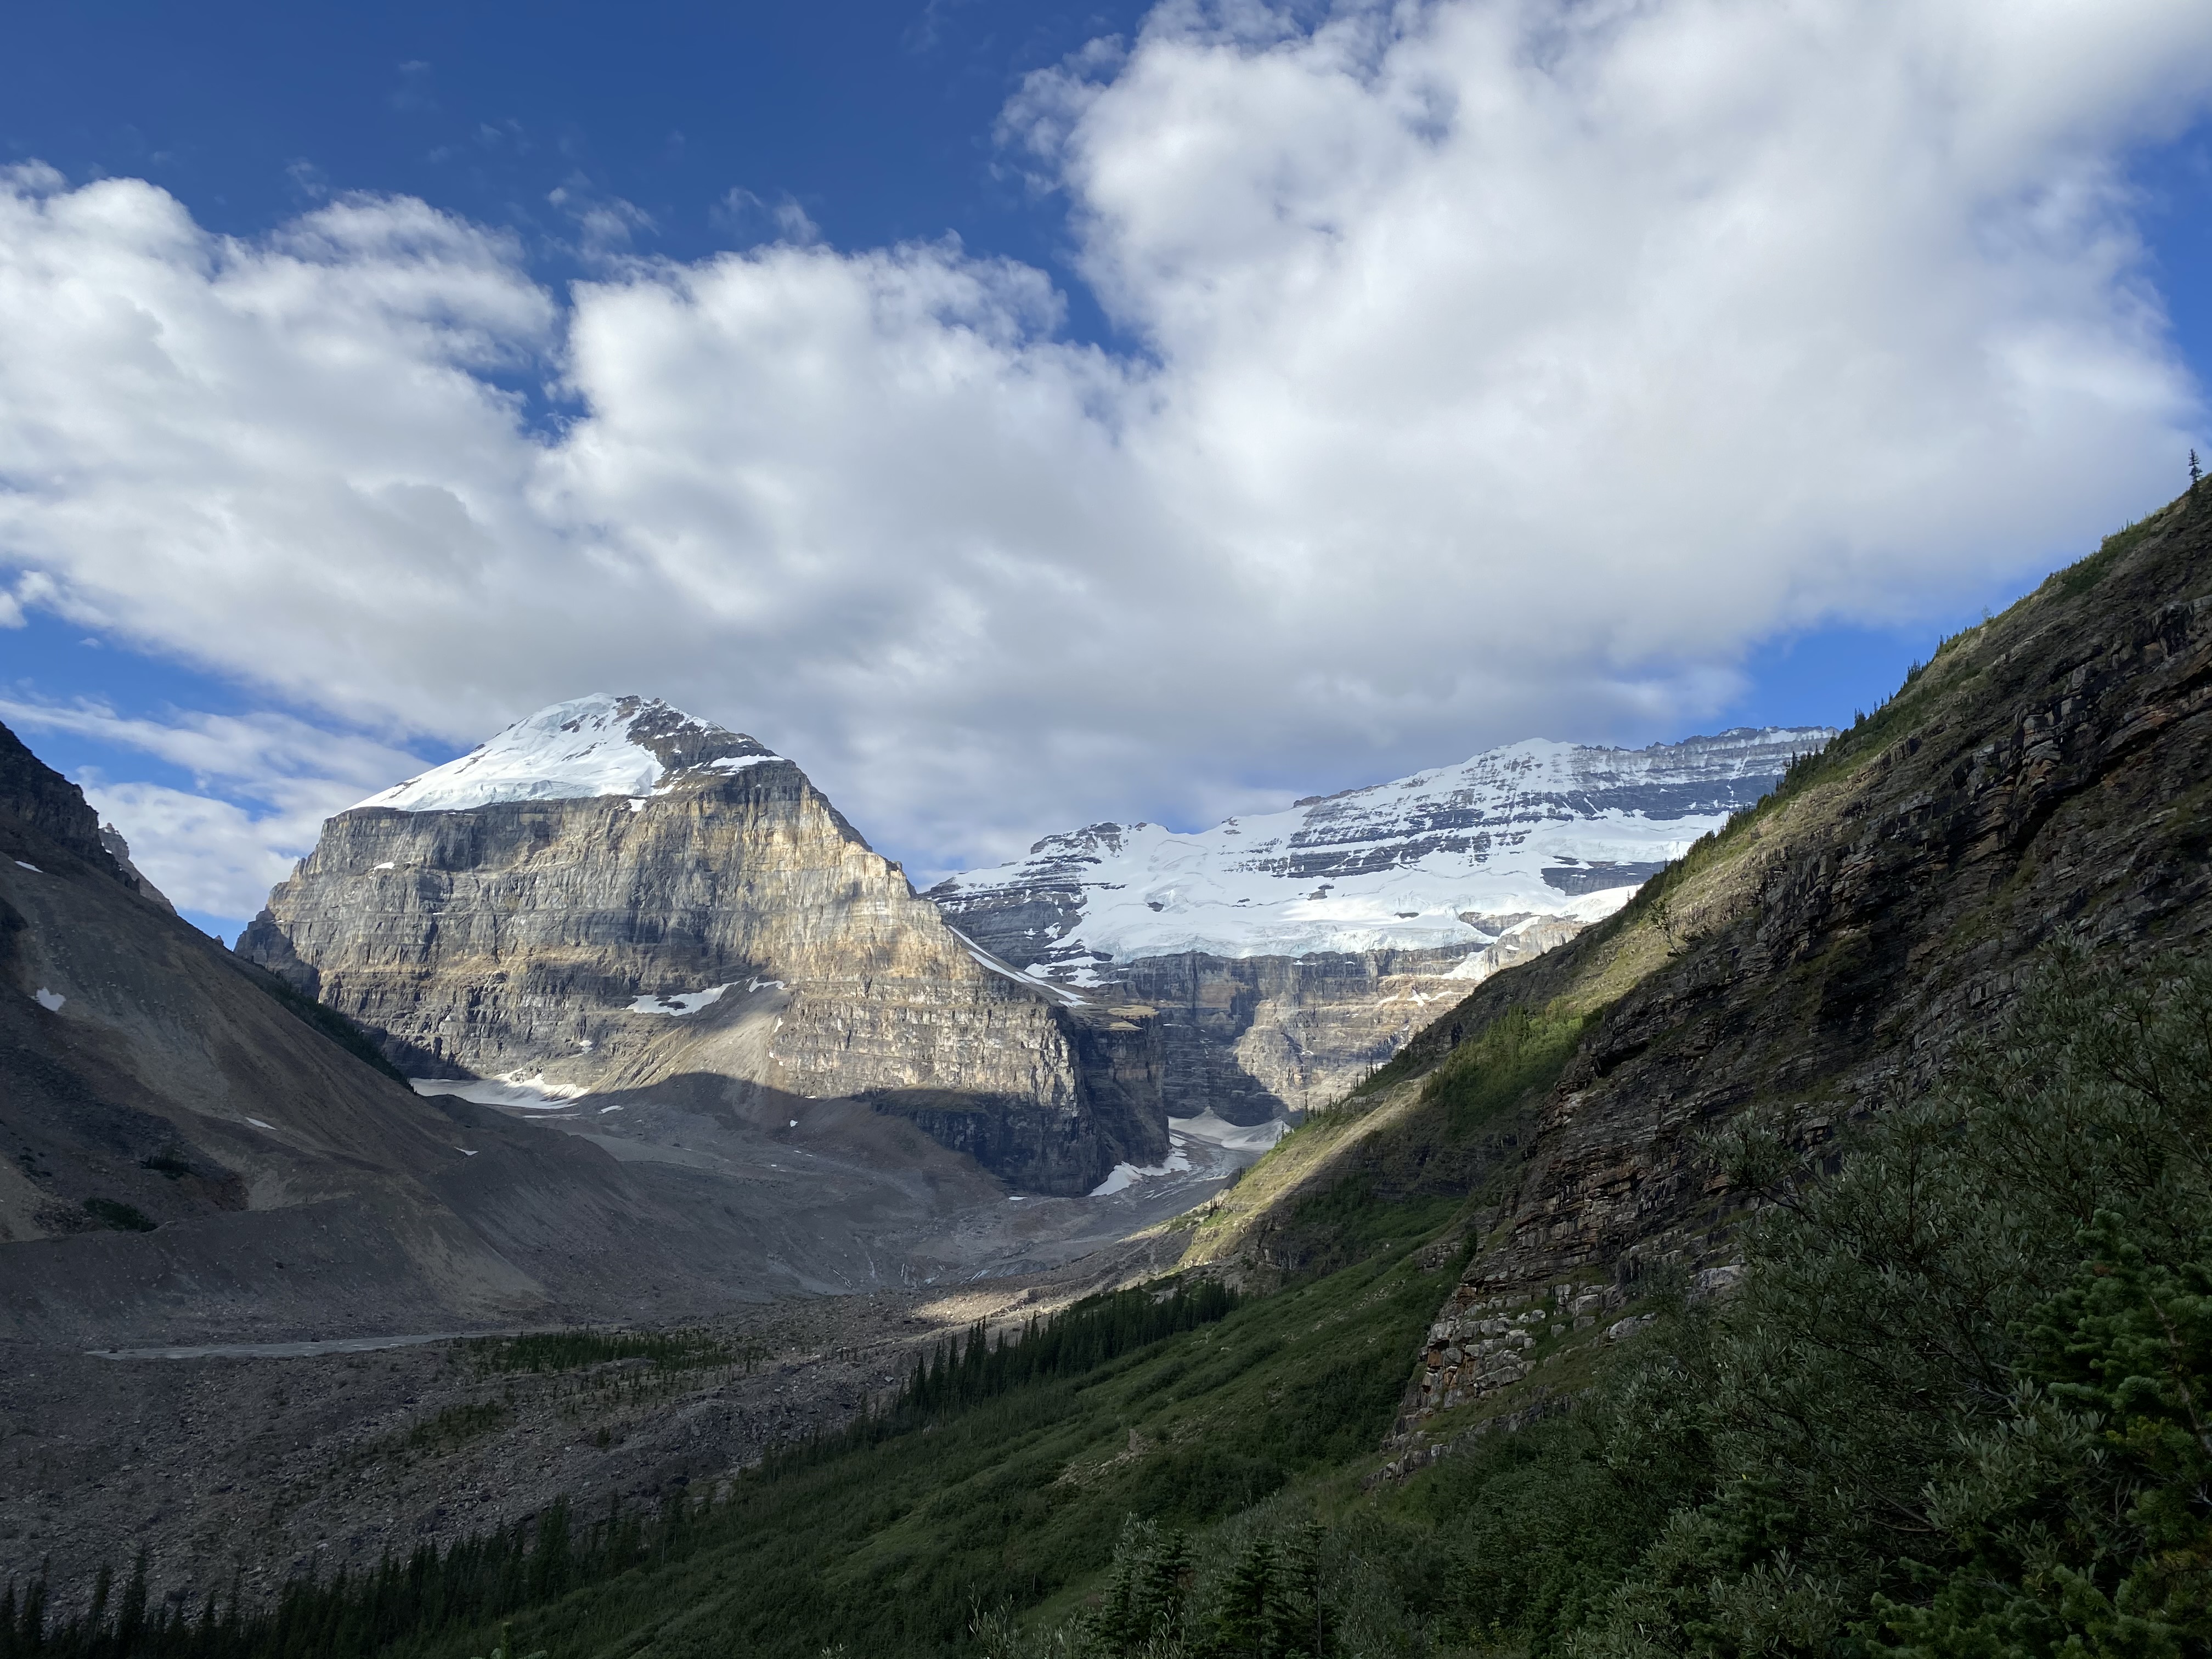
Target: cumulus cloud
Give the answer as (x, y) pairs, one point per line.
(206, 854)
(1497, 369)
(263, 785)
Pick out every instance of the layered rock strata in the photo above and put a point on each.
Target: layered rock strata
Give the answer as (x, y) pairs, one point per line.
(188, 1158)
(1256, 1037)
(2045, 778)
(1289, 954)
(612, 894)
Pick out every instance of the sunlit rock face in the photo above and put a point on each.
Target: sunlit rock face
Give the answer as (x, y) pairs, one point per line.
(1289, 954)
(611, 894)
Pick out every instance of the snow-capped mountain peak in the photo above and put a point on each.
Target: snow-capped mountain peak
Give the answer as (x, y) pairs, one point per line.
(599, 745)
(1448, 857)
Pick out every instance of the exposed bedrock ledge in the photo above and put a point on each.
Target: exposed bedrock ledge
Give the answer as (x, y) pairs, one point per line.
(518, 938)
(1256, 1036)
(1060, 1154)
(2045, 778)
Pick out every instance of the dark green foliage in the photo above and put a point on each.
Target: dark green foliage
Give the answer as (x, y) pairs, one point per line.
(474, 1584)
(1517, 1054)
(1146, 1598)
(1263, 1599)
(1951, 1407)
(2085, 573)
(1205, 1482)
(328, 1021)
(1078, 1338)
(1268, 1604)
(111, 1212)
(576, 1350)
(1958, 1406)
(2083, 1517)
(456, 1426)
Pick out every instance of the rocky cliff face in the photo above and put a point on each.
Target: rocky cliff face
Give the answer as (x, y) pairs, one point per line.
(190, 1157)
(2045, 778)
(1255, 1037)
(611, 894)
(1291, 954)
(36, 804)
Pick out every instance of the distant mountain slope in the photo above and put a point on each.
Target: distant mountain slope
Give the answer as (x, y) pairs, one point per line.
(1443, 859)
(611, 894)
(190, 1151)
(2047, 776)
(1290, 953)
(186, 1157)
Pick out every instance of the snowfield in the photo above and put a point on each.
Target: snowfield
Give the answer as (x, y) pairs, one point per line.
(531, 1094)
(570, 751)
(1458, 856)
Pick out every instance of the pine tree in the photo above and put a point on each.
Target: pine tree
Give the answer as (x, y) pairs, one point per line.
(1294, 1606)
(1241, 1618)
(132, 1619)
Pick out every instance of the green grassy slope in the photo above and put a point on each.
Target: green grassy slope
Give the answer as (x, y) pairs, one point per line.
(1953, 1403)
(1284, 1405)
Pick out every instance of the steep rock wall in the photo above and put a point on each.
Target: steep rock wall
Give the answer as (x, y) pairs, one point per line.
(1253, 1037)
(2048, 776)
(521, 937)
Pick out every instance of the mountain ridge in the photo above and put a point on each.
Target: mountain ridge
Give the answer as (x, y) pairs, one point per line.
(1285, 955)
(1527, 827)
(2045, 777)
(610, 895)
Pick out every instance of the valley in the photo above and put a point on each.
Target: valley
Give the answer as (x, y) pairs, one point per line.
(1570, 1244)
(266, 1465)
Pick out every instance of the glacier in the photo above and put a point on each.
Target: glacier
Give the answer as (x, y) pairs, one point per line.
(1451, 857)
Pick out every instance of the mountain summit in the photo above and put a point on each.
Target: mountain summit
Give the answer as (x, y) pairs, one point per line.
(1534, 828)
(1289, 953)
(574, 750)
(612, 896)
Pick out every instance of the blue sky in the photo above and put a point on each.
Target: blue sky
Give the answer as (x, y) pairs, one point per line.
(1154, 591)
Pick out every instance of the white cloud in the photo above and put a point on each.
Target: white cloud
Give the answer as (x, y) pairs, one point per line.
(1504, 369)
(205, 855)
(256, 750)
(265, 783)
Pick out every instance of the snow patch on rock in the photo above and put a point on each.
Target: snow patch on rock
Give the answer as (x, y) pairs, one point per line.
(1126, 1175)
(1232, 1137)
(530, 1094)
(680, 1003)
(572, 751)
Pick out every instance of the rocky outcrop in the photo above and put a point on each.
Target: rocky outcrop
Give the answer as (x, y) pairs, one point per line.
(1289, 954)
(702, 912)
(39, 804)
(2045, 778)
(1256, 1037)
(111, 840)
